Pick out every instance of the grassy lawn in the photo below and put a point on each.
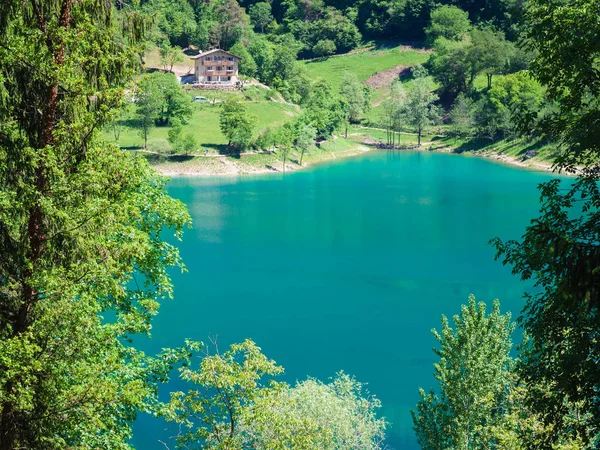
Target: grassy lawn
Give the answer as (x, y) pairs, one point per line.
(364, 63)
(152, 60)
(514, 148)
(204, 124)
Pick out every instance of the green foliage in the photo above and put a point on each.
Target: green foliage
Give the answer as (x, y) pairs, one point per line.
(305, 140)
(489, 53)
(189, 144)
(510, 106)
(324, 47)
(169, 56)
(419, 108)
(449, 22)
(84, 265)
(451, 66)
(355, 95)
(229, 24)
(226, 384)
(323, 109)
(247, 65)
(231, 406)
(161, 99)
(175, 133)
(260, 15)
(560, 252)
(473, 372)
(287, 418)
(461, 115)
(236, 123)
(563, 36)
(173, 19)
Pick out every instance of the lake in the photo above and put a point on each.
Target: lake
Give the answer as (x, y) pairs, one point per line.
(347, 266)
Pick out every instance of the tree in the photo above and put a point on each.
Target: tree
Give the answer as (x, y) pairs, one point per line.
(232, 406)
(489, 52)
(189, 143)
(236, 123)
(285, 138)
(260, 15)
(175, 134)
(451, 66)
(169, 56)
(394, 107)
(560, 252)
(419, 107)
(79, 221)
(162, 99)
(323, 109)
(305, 141)
(563, 38)
(149, 102)
(247, 65)
(230, 21)
(324, 47)
(225, 385)
(473, 373)
(286, 417)
(353, 93)
(449, 22)
(461, 115)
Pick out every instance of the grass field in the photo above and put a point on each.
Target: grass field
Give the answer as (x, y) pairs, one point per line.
(204, 124)
(364, 63)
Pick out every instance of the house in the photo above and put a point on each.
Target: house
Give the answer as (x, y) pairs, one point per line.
(216, 68)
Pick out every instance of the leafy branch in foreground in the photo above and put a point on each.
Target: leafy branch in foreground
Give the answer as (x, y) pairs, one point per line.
(473, 372)
(231, 406)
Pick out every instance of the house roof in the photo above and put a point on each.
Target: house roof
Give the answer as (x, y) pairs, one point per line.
(214, 50)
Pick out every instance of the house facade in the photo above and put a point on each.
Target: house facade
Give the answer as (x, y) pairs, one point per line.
(216, 67)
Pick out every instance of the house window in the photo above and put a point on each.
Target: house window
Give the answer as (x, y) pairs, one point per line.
(209, 78)
(228, 78)
(209, 68)
(219, 68)
(207, 58)
(229, 67)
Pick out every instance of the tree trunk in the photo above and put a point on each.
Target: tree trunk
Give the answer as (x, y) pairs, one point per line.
(419, 136)
(489, 77)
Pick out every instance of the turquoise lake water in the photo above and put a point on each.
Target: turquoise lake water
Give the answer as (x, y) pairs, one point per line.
(344, 266)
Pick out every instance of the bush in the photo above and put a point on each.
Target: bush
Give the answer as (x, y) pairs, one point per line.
(160, 146)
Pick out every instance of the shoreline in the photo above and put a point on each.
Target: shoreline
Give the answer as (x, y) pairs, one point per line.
(226, 166)
(255, 164)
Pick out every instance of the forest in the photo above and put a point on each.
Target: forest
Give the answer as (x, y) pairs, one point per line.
(89, 234)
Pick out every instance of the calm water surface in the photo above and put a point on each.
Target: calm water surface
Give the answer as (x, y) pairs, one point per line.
(344, 266)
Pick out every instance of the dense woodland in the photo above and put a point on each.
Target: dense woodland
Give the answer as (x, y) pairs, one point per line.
(84, 264)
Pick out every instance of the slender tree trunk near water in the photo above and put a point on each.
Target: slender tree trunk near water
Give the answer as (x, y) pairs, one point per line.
(419, 137)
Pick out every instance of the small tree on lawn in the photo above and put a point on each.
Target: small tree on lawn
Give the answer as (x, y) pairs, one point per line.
(189, 144)
(419, 106)
(284, 138)
(169, 56)
(307, 134)
(175, 133)
(148, 107)
(236, 123)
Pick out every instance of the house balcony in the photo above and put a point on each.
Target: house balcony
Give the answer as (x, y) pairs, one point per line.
(218, 72)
